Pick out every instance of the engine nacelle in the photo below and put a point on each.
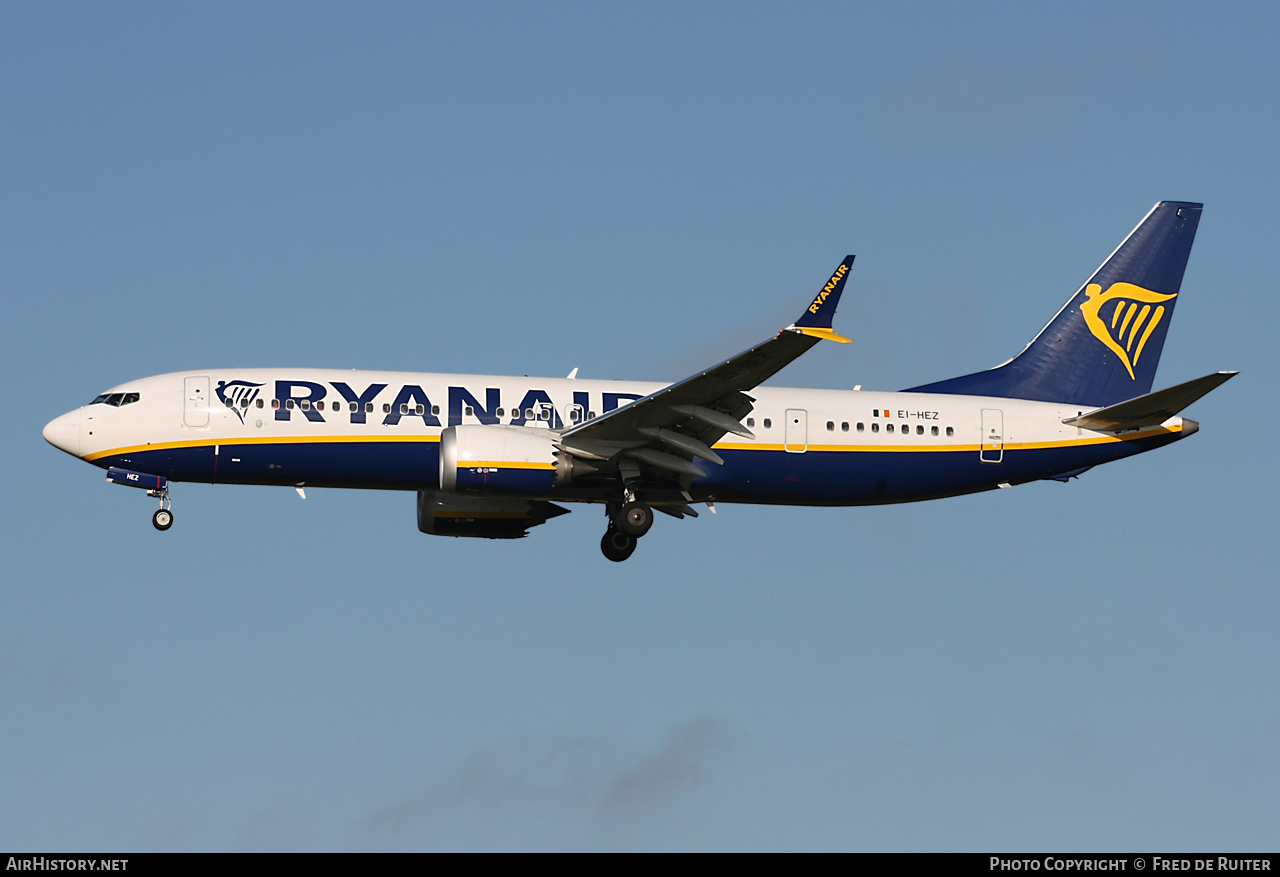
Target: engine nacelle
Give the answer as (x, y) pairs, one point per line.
(497, 459)
(485, 517)
(492, 458)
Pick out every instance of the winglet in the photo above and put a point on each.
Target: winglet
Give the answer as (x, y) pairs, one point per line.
(816, 319)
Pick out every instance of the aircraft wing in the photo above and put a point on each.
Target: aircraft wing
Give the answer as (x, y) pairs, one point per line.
(1151, 409)
(668, 428)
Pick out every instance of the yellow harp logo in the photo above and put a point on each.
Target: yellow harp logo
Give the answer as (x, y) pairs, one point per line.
(1123, 315)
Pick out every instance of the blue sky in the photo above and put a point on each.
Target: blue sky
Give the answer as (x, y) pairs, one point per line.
(632, 190)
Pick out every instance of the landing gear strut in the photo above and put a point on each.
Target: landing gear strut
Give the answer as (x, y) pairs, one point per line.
(628, 521)
(163, 518)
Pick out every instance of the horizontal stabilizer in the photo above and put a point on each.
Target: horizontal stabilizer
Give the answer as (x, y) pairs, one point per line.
(1152, 409)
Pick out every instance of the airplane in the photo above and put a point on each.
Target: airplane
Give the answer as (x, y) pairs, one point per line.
(492, 456)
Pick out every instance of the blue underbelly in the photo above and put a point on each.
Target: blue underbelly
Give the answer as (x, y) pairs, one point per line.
(754, 476)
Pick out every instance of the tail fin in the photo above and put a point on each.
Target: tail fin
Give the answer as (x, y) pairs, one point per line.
(1104, 345)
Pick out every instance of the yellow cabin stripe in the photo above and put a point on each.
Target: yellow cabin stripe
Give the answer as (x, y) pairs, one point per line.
(924, 445)
(263, 440)
(503, 464)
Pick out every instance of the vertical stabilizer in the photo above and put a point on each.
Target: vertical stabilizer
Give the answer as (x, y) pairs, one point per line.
(1104, 345)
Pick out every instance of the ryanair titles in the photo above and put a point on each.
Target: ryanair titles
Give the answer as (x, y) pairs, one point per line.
(338, 400)
(829, 288)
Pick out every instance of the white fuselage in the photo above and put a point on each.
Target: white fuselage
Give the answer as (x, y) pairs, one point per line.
(382, 429)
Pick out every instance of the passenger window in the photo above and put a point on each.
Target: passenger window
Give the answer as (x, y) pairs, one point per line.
(319, 406)
(751, 421)
(950, 431)
(404, 407)
(934, 430)
(353, 407)
(288, 403)
(435, 409)
(768, 424)
(888, 427)
(831, 426)
(875, 427)
(368, 407)
(419, 410)
(469, 411)
(499, 412)
(275, 403)
(386, 407)
(844, 426)
(919, 430)
(306, 404)
(591, 415)
(860, 427)
(259, 403)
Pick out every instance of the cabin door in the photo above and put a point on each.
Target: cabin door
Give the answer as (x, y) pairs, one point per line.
(195, 405)
(797, 437)
(992, 436)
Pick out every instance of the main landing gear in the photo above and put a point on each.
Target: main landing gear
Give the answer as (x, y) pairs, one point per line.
(617, 545)
(627, 523)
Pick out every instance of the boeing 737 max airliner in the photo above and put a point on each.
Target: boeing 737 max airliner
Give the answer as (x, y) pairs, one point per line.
(492, 456)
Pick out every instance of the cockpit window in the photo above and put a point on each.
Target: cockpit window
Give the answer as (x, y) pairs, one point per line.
(115, 399)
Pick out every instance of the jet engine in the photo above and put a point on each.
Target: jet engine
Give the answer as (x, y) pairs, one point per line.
(493, 458)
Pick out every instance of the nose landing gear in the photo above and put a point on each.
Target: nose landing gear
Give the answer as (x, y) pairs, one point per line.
(156, 486)
(163, 518)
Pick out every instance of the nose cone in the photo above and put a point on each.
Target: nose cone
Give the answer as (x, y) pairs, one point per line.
(64, 433)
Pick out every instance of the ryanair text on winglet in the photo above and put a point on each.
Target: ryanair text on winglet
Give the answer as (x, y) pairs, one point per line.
(827, 290)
